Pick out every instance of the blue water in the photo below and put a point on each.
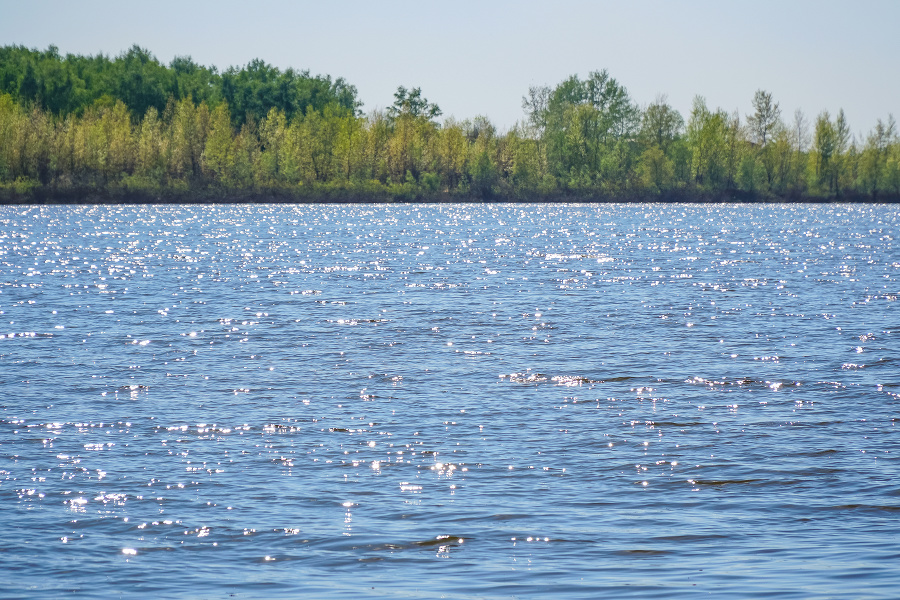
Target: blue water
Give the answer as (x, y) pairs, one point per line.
(458, 401)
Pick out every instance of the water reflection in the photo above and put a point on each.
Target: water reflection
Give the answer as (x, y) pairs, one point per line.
(562, 389)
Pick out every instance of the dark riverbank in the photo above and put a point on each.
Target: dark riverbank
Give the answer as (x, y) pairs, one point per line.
(352, 196)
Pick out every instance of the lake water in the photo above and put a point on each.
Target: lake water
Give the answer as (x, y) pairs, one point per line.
(450, 401)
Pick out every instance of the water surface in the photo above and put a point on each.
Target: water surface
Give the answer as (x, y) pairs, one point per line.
(430, 401)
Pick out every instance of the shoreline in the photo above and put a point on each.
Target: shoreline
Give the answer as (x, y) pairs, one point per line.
(90, 196)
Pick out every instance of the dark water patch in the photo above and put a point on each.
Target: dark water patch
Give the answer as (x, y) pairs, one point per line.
(724, 482)
(692, 538)
(865, 508)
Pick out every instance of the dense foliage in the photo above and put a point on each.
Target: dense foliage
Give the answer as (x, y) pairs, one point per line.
(131, 125)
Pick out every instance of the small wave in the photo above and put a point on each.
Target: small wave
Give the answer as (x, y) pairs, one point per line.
(743, 381)
(865, 507)
(25, 334)
(723, 482)
(561, 380)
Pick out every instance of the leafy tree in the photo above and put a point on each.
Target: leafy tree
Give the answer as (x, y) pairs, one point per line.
(585, 120)
(484, 175)
(256, 88)
(190, 80)
(656, 169)
(764, 124)
(892, 169)
(348, 146)
(873, 162)
(410, 149)
(142, 81)
(661, 125)
(246, 154)
(29, 88)
(411, 103)
(842, 140)
(708, 136)
(535, 105)
(780, 161)
(765, 119)
(482, 167)
(188, 131)
(11, 138)
(452, 153)
(219, 153)
(151, 147)
(824, 154)
(120, 141)
(273, 147)
(800, 139)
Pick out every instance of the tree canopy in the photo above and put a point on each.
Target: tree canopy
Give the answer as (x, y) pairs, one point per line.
(131, 124)
(71, 84)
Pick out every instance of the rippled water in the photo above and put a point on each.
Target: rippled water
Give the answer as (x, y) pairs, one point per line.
(425, 401)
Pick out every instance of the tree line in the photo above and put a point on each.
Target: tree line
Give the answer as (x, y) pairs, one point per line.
(130, 125)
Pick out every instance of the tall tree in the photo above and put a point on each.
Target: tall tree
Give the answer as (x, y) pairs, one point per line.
(823, 154)
(660, 125)
(711, 137)
(873, 161)
(218, 152)
(585, 121)
(765, 118)
(413, 104)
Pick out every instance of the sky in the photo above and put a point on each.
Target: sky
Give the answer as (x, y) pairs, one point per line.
(480, 57)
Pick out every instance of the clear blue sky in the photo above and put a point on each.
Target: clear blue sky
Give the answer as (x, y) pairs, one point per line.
(480, 57)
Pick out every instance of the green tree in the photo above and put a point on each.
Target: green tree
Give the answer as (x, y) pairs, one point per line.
(12, 138)
(188, 130)
(151, 149)
(348, 143)
(661, 125)
(120, 141)
(708, 135)
(765, 119)
(873, 162)
(219, 152)
(842, 140)
(585, 120)
(410, 149)
(190, 80)
(141, 81)
(412, 103)
(824, 155)
(452, 153)
(764, 124)
(892, 168)
(656, 170)
(273, 148)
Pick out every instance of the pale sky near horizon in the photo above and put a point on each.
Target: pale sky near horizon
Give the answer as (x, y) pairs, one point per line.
(479, 58)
